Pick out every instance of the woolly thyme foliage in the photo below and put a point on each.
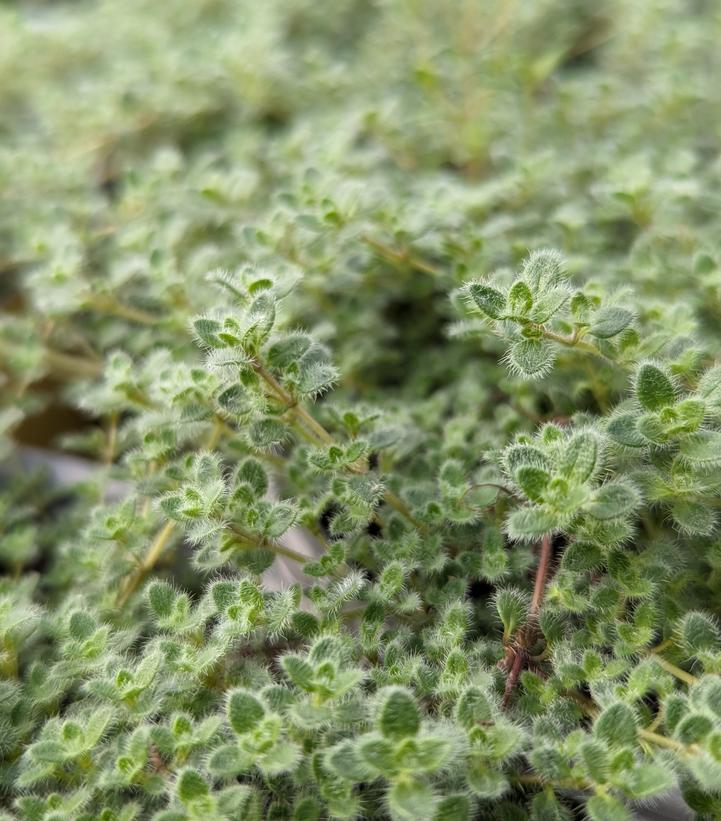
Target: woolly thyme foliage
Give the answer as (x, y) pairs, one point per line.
(511, 609)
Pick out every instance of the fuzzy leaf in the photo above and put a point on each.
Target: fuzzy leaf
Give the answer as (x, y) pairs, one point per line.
(709, 386)
(703, 449)
(543, 269)
(532, 481)
(624, 429)
(699, 633)
(610, 321)
(399, 717)
(191, 786)
(244, 711)
(161, 598)
(489, 299)
(581, 456)
(530, 358)
(512, 608)
(694, 518)
(616, 725)
(298, 671)
(606, 808)
(654, 389)
(614, 499)
(412, 800)
(528, 523)
(472, 708)
(520, 298)
(484, 781)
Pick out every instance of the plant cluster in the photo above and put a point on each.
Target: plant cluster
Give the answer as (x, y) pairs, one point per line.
(389, 516)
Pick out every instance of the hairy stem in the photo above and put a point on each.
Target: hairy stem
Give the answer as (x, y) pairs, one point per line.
(151, 557)
(324, 437)
(401, 258)
(539, 588)
(528, 635)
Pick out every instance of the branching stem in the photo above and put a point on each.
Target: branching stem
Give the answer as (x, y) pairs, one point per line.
(324, 437)
(527, 635)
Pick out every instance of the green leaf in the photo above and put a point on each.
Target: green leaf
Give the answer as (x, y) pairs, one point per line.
(206, 331)
(702, 449)
(610, 321)
(253, 473)
(227, 762)
(520, 299)
(398, 715)
(411, 799)
(654, 389)
(161, 598)
(532, 481)
(623, 428)
(517, 456)
(709, 386)
(543, 269)
(693, 728)
(281, 518)
(530, 523)
(613, 500)
(530, 358)
(616, 725)
(606, 808)
(512, 608)
(268, 434)
(423, 755)
(699, 633)
(473, 707)
(81, 625)
(581, 456)
(344, 759)
(244, 710)
(484, 781)
(191, 786)
(281, 758)
(490, 300)
(453, 808)
(288, 350)
(377, 754)
(298, 671)
(693, 518)
(582, 557)
(546, 807)
(595, 758)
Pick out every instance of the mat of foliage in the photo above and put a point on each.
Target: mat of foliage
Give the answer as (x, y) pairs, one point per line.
(444, 275)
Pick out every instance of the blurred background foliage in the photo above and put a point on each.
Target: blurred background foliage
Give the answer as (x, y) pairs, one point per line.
(386, 150)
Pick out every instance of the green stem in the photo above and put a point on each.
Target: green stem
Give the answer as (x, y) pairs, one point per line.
(402, 258)
(265, 544)
(323, 437)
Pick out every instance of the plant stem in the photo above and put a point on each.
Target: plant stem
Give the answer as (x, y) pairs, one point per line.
(107, 304)
(647, 735)
(324, 437)
(527, 635)
(73, 366)
(274, 547)
(680, 674)
(403, 258)
(663, 741)
(164, 534)
(151, 557)
(539, 588)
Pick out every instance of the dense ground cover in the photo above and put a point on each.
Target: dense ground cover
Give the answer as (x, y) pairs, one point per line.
(443, 275)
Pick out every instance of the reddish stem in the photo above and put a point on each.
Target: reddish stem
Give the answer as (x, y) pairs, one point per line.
(539, 588)
(527, 635)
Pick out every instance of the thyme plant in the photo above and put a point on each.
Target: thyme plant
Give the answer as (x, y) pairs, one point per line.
(388, 516)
